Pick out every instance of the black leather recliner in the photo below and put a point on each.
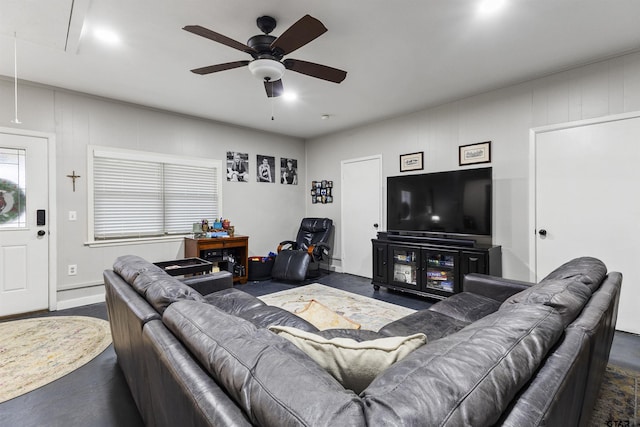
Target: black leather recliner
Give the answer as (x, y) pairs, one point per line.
(301, 258)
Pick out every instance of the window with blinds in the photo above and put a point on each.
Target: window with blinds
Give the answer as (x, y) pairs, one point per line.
(140, 195)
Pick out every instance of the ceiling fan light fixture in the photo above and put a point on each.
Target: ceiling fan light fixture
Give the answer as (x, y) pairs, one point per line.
(267, 69)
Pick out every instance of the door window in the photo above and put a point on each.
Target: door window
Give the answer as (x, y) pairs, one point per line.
(12, 188)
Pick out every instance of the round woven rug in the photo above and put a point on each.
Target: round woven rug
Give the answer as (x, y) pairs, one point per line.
(35, 352)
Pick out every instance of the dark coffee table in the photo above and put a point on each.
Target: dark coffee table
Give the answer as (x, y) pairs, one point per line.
(181, 267)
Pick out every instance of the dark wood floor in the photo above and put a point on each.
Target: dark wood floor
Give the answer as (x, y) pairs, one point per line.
(97, 395)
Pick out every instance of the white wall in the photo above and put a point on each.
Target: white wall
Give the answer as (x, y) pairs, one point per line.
(267, 213)
(502, 116)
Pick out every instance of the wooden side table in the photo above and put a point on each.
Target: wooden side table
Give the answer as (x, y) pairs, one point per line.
(213, 249)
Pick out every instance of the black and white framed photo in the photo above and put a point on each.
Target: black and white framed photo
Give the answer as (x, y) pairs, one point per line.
(412, 162)
(475, 153)
(266, 168)
(288, 171)
(237, 166)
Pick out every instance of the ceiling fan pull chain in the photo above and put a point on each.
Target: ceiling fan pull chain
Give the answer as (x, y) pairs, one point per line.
(272, 101)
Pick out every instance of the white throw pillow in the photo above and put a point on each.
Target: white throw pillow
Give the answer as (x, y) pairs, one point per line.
(354, 364)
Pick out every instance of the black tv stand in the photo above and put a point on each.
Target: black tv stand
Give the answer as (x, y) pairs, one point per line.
(431, 266)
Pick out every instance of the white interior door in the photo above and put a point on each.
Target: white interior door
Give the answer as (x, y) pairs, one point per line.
(586, 199)
(24, 254)
(361, 213)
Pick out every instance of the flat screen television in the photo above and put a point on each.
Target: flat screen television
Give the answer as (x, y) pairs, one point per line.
(455, 202)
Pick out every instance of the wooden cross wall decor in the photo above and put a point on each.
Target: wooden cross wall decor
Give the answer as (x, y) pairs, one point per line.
(73, 177)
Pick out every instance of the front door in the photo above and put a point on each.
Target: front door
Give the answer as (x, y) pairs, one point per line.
(24, 240)
(361, 212)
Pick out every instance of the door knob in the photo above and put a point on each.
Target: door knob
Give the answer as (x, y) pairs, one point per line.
(41, 233)
(542, 232)
(375, 225)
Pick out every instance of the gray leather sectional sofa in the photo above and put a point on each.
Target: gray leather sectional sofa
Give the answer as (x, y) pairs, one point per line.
(500, 353)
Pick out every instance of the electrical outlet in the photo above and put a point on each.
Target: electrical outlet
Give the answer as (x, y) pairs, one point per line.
(72, 269)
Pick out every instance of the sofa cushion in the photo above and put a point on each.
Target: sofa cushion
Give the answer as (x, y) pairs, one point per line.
(273, 381)
(146, 278)
(233, 301)
(567, 296)
(354, 364)
(467, 378)
(431, 323)
(129, 266)
(587, 270)
(466, 306)
(268, 315)
(167, 290)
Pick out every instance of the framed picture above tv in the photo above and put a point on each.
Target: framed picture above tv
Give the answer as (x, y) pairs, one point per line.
(412, 162)
(475, 153)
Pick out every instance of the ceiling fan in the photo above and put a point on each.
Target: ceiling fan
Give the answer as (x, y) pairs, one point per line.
(267, 52)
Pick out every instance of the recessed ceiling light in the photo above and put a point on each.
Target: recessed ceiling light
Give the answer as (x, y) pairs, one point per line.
(106, 35)
(489, 7)
(290, 96)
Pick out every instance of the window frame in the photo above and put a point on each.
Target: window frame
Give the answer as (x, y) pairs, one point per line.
(143, 156)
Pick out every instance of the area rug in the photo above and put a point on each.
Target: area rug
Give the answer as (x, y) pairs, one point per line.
(35, 352)
(617, 403)
(370, 313)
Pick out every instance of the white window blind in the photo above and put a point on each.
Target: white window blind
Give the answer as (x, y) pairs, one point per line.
(190, 195)
(139, 198)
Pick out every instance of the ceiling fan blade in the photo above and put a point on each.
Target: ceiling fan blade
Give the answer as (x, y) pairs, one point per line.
(216, 37)
(315, 70)
(300, 33)
(219, 67)
(274, 88)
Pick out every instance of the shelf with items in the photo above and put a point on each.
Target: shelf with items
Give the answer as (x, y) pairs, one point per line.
(227, 253)
(438, 261)
(441, 280)
(404, 257)
(440, 271)
(406, 266)
(404, 273)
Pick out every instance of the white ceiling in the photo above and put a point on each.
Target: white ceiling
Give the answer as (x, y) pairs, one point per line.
(401, 56)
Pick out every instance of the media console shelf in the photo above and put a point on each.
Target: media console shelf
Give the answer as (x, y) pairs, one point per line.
(433, 268)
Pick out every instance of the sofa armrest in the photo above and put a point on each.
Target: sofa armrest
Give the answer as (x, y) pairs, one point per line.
(496, 288)
(287, 244)
(209, 283)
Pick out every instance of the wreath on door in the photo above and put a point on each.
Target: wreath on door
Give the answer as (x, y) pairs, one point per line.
(12, 201)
